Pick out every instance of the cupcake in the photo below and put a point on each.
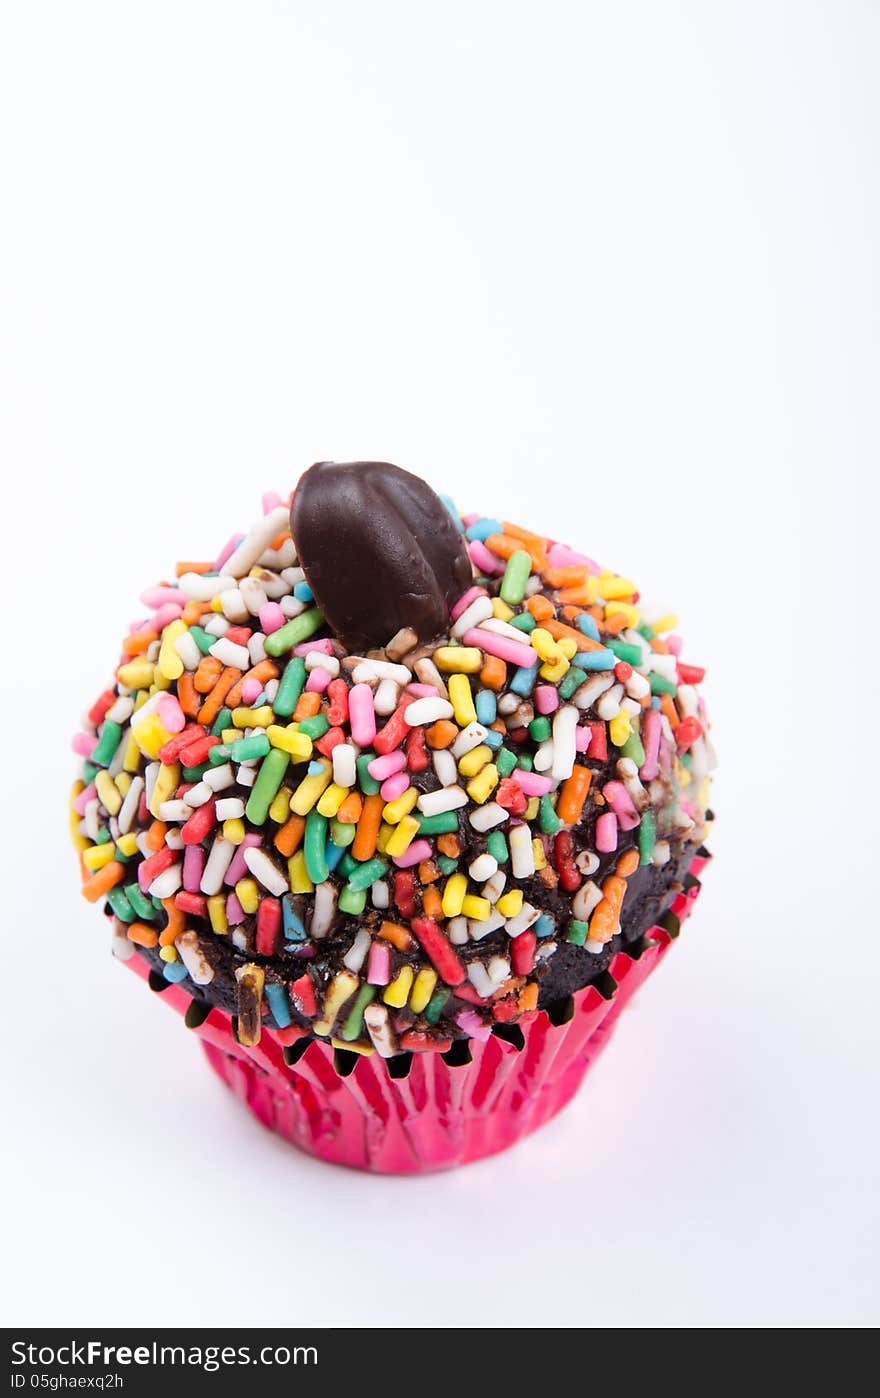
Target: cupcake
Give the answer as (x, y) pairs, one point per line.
(397, 808)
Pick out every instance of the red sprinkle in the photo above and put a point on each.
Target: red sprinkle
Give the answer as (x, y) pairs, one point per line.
(195, 753)
(104, 702)
(622, 671)
(405, 892)
(416, 754)
(268, 926)
(238, 635)
(416, 1041)
(337, 711)
(155, 865)
(522, 953)
(303, 993)
(690, 674)
(598, 747)
(439, 950)
(200, 823)
(511, 797)
(395, 730)
(194, 903)
(331, 739)
(170, 751)
(563, 862)
(687, 733)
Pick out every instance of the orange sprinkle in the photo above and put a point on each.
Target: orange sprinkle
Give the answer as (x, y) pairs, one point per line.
(668, 708)
(307, 705)
(450, 845)
(101, 882)
(142, 934)
(658, 645)
(540, 607)
(627, 863)
(432, 903)
(193, 611)
(263, 671)
(528, 997)
(577, 596)
(207, 674)
(396, 934)
(188, 567)
(494, 673)
(506, 545)
(176, 923)
(289, 838)
(186, 693)
(428, 871)
(215, 700)
(558, 629)
(441, 733)
(368, 828)
(155, 836)
(349, 812)
(573, 795)
(136, 642)
(566, 577)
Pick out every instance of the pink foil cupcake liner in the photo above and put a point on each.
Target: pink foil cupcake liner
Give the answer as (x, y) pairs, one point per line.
(441, 1113)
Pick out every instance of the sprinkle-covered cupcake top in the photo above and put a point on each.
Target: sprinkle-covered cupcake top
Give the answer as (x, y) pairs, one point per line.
(387, 848)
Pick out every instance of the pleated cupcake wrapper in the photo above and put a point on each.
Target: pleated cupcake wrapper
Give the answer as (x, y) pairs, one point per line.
(430, 1112)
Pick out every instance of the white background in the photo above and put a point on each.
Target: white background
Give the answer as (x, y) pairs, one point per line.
(611, 269)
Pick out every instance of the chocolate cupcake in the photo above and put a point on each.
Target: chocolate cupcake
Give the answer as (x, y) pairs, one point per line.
(397, 807)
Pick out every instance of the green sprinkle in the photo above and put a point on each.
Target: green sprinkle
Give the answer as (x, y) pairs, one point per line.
(265, 788)
(103, 836)
(347, 865)
(446, 823)
(525, 762)
(497, 847)
(633, 748)
(291, 687)
(195, 774)
(352, 1026)
(516, 576)
(342, 835)
(446, 864)
(505, 762)
(646, 837)
(434, 1007)
(571, 680)
(105, 748)
(314, 727)
(202, 639)
(90, 771)
(524, 622)
(221, 722)
(140, 902)
(120, 904)
(577, 932)
(625, 650)
(314, 846)
(352, 900)
(366, 873)
(549, 820)
(660, 685)
(368, 785)
(540, 729)
(295, 632)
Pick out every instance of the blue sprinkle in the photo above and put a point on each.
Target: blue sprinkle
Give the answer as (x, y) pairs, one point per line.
(294, 930)
(523, 681)
(655, 702)
(450, 505)
(486, 706)
(587, 624)
(493, 740)
(278, 1004)
(174, 971)
(303, 592)
(596, 660)
(315, 768)
(483, 528)
(544, 926)
(333, 854)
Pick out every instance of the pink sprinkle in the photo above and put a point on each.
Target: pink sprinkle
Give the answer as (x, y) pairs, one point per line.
(465, 600)
(324, 645)
(560, 556)
(485, 561)
(237, 867)
(318, 680)
(171, 715)
(418, 850)
(158, 596)
(532, 783)
(472, 1025)
(620, 801)
(422, 691)
(395, 786)
(250, 690)
(387, 765)
(271, 618)
(193, 868)
(468, 520)
(675, 643)
(305, 951)
(582, 738)
(227, 551)
(362, 715)
(169, 612)
(501, 646)
(546, 698)
(84, 744)
(87, 794)
(271, 501)
(606, 833)
(379, 964)
(651, 741)
(234, 910)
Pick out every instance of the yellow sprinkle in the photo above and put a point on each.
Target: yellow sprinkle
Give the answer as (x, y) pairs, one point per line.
(454, 895)
(458, 660)
(423, 989)
(477, 908)
(169, 663)
(332, 799)
(533, 805)
(309, 789)
(160, 683)
(136, 674)
(127, 844)
(248, 894)
(538, 855)
(482, 786)
(342, 986)
(79, 841)
(167, 953)
(475, 760)
(233, 830)
(132, 759)
(511, 903)
(631, 614)
(402, 837)
(666, 623)
(151, 735)
(280, 807)
(97, 856)
(553, 673)
(462, 700)
(545, 645)
(568, 646)
(253, 718)
(384, 835)
(298, 874)
(619, 728)
(217, 913)
(397, 992)
(123, 782)
(166, 785)
(216, 604)
(611, 587)
(108, 792)
(396, 810)
(501, 610)
(229, 735)
(289, 739)
(361, 1046)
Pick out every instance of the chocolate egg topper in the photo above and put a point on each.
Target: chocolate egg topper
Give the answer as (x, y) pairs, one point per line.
(380, 551)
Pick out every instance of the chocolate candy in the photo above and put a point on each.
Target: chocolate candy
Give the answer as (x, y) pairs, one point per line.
(379, 550)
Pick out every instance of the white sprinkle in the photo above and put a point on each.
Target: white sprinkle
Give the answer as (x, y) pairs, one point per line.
(216, 625)
(317, 660)
(129, 806)
(228, 653)
(481, 980)
(543, 759)
(378, 1023)
(664, 665)
(494, 887)
(202, 588)
(233, 606)
(503, 628)
(201, 972)
(457, 931)
(247, 775)
(278, 558)
(174, 811)
(590, 690)
(595, 948)
(522, 858)
(218, 778)
(218, 862)
(151, 776)
(477, 929)
(324, 911)
(257, 647)
(386, 697)
(508, 703)
(524, 918)
(267, 528)
(173, 838)
(292, 606)
(637, 687)
(292, 576)
(498, 969)
(120, 946)
(167, 882)
(230, 808)
(366, 670)
(448, 798)
(662, 854)
(188, 651)
(253, 594)
(273, 584)
(121, 711)
(145, 710)
(486, 817)
(344, 768)
(483, 867)
(356, 955)
(428, 673)
(270, 691)
(587, 898)
(587, 862)
(469, 738)
(379, 895)
(428, 711)
(91, 819)
(265, 870)
(564, 724)
(479, 610)
(608, 706)
(198, 795)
